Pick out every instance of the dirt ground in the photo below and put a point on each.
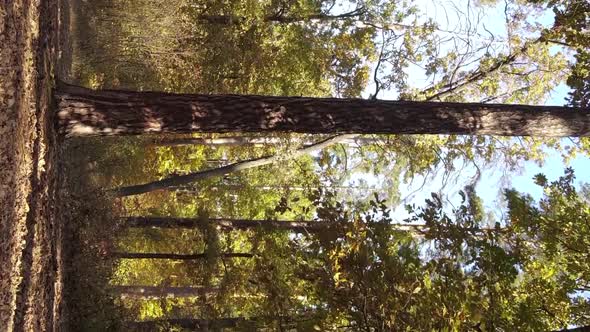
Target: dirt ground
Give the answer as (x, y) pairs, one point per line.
(30, 231)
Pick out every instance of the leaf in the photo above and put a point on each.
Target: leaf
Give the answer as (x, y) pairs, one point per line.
(427, 281)
(540, 180)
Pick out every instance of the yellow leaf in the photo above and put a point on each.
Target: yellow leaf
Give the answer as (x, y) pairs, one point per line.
(427, 281)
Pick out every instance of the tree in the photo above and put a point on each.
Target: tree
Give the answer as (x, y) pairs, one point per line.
(241, 62)
(146, 292)
(570, 30)
(84, 112)
(179, 180)
(226, 223)
(529, 277)
(239, 323)
(281, 18)
(190, 323)
(245, 140)
(558, 228)
(154, 255)
(294, 226)
(467, 281)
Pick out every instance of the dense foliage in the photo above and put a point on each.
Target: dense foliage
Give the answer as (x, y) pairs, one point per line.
(352, 265)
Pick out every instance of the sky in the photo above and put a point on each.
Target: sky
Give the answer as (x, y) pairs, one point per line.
(449, 15)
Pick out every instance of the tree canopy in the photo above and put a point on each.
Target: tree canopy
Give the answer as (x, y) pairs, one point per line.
(306, 239)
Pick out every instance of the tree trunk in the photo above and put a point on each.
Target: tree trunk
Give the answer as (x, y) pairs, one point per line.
(157, 292)
(179, 180)
(84, 112)
(253, 141)
(307, 226)
(439, 92)
(196, 324)
(235, 19)
(154, 255)
(576, 329)
(187, 323)
(237, 224)
(235, 187)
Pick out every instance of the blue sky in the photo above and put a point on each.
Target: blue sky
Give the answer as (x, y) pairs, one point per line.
(494, 180)
(446, 14)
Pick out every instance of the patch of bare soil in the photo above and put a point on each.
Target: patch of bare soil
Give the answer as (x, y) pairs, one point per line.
(30, 234)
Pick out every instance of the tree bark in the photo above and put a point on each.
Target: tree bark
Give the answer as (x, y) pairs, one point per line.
(179, 180)
(84, 112)
(156, 292)
(154, 255)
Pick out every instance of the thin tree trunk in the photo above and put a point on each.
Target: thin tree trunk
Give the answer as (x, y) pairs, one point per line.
(179, 180)
(235, 187)
(234, 19)
(480, 73)
(84, 112)
(576, 329)
(153, 255)
(477, 75)
(306, 226)
(197, 324)
(187, 323)
(254, 141)
(354, 18)
(151, 292)
(237, 224)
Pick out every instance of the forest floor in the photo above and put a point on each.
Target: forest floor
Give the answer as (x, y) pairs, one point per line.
(31, 269)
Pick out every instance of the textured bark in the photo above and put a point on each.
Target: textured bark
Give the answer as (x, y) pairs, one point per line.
(157, 292)
(84, 112)
(179, 180)
(154, 255)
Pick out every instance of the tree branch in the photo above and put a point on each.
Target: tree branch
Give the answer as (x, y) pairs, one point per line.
(179, 180)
